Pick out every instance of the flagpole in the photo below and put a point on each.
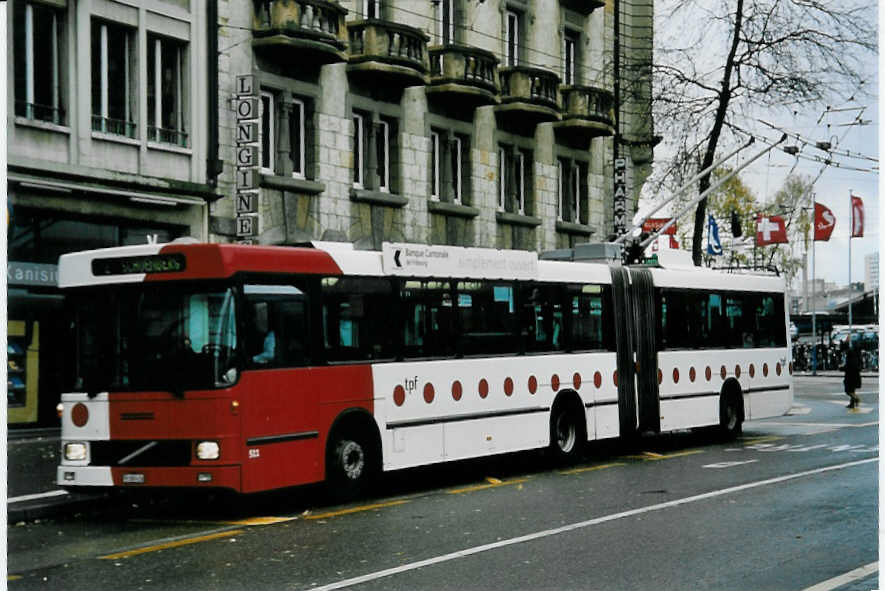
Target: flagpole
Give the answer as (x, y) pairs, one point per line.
(850, 236)
(813, 311)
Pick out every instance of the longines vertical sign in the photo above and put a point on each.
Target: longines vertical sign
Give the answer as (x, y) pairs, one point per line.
(620, 197)
(247, 159)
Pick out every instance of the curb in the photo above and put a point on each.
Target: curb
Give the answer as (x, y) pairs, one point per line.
(51, 507)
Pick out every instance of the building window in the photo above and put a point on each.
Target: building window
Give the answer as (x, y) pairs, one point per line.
(37, 32)
(374, 152)
(372, 8)
(113, 77)
(165, 93)
(572, 198)
(298, 139)
(267, 140)
(445, 21)
(514, 182)
(569, 58)
(511, 38)
(449, 161)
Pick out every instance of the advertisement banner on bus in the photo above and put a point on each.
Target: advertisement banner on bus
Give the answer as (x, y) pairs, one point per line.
(455, 261)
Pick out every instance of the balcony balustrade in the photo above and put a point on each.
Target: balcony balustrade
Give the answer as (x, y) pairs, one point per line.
(530, 92)
(300, 31)
(465, 72)
(587, 112)
(395, 51)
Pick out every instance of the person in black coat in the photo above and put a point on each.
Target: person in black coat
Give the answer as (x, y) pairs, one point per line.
(852, 373)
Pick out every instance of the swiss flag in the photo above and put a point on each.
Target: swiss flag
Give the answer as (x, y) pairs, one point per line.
(824, 222)
(856, 217)
(770, 229)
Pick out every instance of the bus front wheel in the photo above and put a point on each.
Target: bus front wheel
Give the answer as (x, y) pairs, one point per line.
(351, 466)
(731, 416)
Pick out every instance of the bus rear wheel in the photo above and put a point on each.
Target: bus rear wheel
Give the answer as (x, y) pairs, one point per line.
(566, 434)
(731, 416)
(351, 466)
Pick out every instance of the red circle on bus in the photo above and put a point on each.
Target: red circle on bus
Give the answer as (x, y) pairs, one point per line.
(508, 387)
(737, 371)
(777, 368)
(597, 379)
(428, 393)
(660, 376)
(692, 374)
(752, 370)
(765, 369)
(399, 395)
(708, 373)
(576, 381)
(80, 414)
(554, 383)
(456, 390)
(483, 388)
(533, 384)
(675, 375)
(723, 372)
(615, 378)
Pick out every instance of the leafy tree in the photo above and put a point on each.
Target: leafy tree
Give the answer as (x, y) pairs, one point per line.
(740, 56)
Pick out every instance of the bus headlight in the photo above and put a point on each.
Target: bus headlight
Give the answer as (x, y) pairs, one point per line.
(208, 450)
(76, 451)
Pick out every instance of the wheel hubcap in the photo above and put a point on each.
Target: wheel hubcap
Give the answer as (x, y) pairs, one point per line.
(353, 459)
(565, 434)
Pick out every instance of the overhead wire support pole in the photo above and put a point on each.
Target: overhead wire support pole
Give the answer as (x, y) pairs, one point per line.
(703, 195)
(682, 189)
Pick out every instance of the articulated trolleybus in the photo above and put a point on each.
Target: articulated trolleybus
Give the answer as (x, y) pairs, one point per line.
(255, 367)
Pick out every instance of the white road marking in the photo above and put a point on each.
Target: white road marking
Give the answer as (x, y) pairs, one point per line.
(728, 464)
(799, 410)
(854, 575)
(576, 526)
(45, 495)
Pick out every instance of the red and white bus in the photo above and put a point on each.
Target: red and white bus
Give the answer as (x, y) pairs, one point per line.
(255, 367)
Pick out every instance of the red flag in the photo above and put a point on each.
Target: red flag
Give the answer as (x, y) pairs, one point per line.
(856, 217)
(655, 224)
(673, 242)
(824, 222)
(770, 229)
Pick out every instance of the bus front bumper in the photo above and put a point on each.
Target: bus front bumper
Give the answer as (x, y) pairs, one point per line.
(187, 476)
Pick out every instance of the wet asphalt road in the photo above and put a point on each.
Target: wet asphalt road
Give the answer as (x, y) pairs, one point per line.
(792, 504)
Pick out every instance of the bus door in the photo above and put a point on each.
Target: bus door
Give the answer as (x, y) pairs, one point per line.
(645, 343)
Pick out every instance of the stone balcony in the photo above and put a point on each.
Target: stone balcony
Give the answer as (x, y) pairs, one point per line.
(529, 93)
(587, 112)
(390, 50)
(299, 32)
(464, 73)
(583, 6)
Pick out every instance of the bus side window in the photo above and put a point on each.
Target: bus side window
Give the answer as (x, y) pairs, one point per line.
(357, 314)
(277, 330)
(486, 317)
(426, 319)
(588, 322)
(541, 319)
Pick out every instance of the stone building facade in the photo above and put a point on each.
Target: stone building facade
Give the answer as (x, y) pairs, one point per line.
(460, 122)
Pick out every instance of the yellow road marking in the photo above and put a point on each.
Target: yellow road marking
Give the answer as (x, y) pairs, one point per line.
(355, 510)
(493, 483)
(653, 456)
(261, 521)
(173, 544)
(13, 577)
(761, 439)
(591, 468)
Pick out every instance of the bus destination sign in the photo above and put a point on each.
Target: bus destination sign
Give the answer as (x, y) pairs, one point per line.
(156, 263)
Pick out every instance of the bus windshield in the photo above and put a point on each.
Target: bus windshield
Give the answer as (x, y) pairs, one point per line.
(161, 337)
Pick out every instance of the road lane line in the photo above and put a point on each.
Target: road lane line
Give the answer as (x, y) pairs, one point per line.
(844, 579)
(579, 525)
(359, 509)
(44, 495)
(499, 483)
(172, 544)
(651, 456)
(591, 468)
(761, 439)
(261, 521)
